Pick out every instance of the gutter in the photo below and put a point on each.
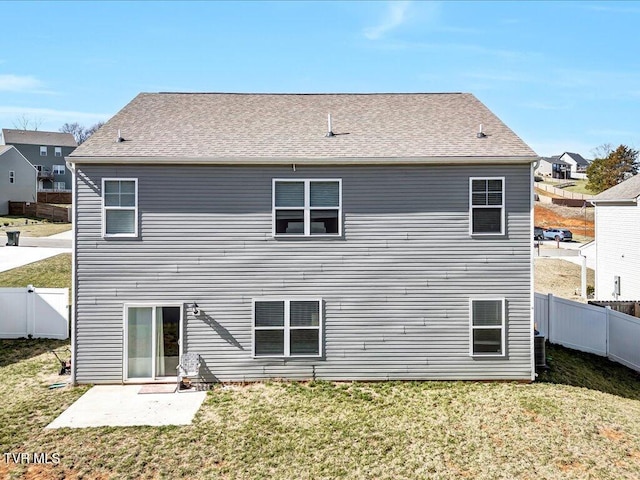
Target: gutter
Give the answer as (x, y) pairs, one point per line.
(71, 166)
(469, 160)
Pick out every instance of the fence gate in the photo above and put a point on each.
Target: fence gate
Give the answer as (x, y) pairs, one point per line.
(39, 312)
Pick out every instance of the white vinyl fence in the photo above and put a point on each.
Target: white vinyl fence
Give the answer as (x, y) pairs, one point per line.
(39, 312)
(587, 328)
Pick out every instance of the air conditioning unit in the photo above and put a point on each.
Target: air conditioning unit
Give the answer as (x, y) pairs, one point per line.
(539, 351)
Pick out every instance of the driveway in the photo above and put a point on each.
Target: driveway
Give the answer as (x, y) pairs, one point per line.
(33, 249)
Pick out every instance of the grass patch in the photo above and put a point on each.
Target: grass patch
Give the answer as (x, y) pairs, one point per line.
(579, 187)
(53, 272)
(579, 369)
(581, 421)
(32, 227)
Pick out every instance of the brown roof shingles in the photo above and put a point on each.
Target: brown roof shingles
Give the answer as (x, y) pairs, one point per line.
(37, 137)
(624, 191)
(251, 126)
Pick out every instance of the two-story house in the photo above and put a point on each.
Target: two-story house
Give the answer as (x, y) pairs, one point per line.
(326, 236)
(18, 178)
(617, 242)
(46, 151)
(577, 164)
(553, 167)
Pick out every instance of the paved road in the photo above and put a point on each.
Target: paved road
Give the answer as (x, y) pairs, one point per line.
(33, 249)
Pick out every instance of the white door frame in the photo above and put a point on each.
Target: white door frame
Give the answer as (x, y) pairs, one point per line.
(125, 342)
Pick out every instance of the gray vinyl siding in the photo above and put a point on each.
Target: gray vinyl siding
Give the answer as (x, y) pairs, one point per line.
(24, 187)
(395, 287)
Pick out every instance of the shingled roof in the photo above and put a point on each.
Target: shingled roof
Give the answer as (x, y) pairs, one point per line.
(36, 137)
(195, 127)
(626, 191)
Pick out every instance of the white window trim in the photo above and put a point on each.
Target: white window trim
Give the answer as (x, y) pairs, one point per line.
(488, 327)
(57, 151)
(105, 208)
(59, 172)
(287, 327)
(307, 207)
(472, 207)
(125, 352)
(12, 176)
(44, 151)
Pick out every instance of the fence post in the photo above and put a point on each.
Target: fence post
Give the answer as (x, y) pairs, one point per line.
(31, 311)
(607, 312)
(550, 315)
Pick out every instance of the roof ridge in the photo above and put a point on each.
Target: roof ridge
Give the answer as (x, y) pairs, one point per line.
(305, 93)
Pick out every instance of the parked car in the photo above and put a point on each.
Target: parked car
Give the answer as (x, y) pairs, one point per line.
(538, 233)
(558, 234)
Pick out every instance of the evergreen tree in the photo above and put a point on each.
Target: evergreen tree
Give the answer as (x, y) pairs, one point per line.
(619, 164)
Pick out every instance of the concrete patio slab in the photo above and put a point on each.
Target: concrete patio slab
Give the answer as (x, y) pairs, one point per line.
(123, 406)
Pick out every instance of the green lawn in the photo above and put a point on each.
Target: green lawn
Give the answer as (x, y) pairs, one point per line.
(53, 272)
(579, 187)
(31, 227)
(581, 421)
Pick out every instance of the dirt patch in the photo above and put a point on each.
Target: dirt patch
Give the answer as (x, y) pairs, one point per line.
(580, 221)
(612, 434)
(560, 278)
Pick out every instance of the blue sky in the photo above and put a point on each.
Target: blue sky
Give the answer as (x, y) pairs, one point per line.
(563, 76)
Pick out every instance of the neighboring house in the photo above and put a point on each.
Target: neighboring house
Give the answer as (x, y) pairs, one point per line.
(617, 218)
(46, 151)
(553, 167)
(577, 164)
(389, 240)
(17, 178)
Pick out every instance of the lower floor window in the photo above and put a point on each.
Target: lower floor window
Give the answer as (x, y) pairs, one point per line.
(287, 328)
(487, 327)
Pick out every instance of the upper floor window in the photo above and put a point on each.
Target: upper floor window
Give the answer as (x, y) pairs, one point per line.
(43, 151)
(287, 328)
(58, 170)
(57, 151)
(120, 207)
(12, 176)
(307, 207)
(486, 206)
(487, 327)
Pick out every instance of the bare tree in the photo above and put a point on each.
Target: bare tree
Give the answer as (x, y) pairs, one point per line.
(79, 132)
(23, 122)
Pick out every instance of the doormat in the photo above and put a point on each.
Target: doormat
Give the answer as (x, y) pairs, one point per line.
(158, 388)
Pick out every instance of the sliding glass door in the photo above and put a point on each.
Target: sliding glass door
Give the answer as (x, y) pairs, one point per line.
(152, 342)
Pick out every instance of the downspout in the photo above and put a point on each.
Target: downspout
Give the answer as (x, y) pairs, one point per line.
(534, 166)
(583, 275)
(595, 246)
(74, 205)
